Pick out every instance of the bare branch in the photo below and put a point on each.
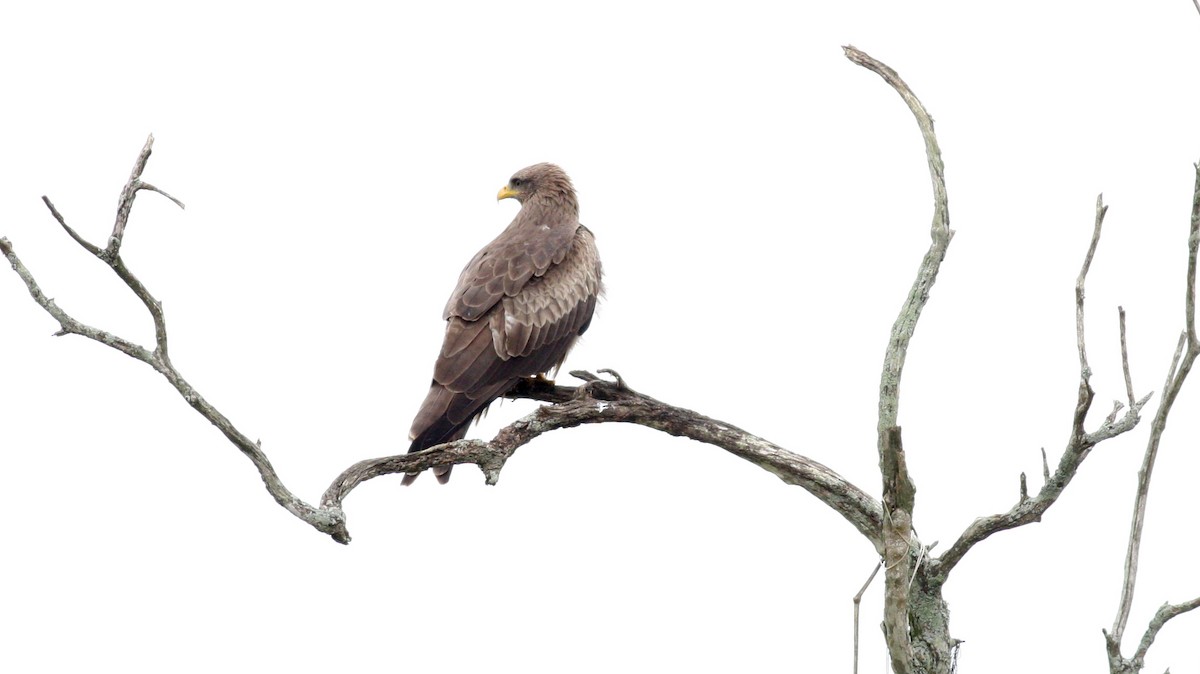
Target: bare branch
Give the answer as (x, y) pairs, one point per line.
(1125, 357)
(1078, 447)
(1181, 365)
(906, 321)
(1164, 613)
(1085, 371)
(128, 193)
(87, 245)
(112, 256)
(67, 324)
(147, 186)
(323, 521)
(1112, 416)
(600, 401)
(1175, 360)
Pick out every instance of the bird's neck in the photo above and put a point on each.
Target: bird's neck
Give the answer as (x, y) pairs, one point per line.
(550, 209)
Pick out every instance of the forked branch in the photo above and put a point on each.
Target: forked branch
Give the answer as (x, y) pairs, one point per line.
(1079, 445)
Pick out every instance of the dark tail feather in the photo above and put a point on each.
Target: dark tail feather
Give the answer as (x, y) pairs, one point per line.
(442, 430)
(445, 417)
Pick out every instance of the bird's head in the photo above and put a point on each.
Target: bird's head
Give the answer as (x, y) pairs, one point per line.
(538, 180)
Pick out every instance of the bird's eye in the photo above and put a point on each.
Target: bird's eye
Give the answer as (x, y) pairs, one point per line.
(516, 181)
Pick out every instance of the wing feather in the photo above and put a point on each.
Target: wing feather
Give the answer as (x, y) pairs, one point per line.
(557, 305)
(504, 266)
(460, 371)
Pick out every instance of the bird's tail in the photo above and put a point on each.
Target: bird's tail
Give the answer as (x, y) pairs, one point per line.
(445, 417)
(441, 431)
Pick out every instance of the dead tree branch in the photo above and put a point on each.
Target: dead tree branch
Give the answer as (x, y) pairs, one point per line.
(596, 401)
(1161, 616)
(158, 357)
(1078, 447)
(899, 492)
(1186, 351)
(601, 401)
(940, 232)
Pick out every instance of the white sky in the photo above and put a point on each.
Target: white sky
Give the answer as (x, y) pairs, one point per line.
(339, 167)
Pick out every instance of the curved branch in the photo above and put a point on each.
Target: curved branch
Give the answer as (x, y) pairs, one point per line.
(898, 489)
(1164, 614)
(940, 232)
(1080, 444)
(600, 401)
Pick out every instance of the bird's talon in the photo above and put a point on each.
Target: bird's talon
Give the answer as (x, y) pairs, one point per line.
(616, 376)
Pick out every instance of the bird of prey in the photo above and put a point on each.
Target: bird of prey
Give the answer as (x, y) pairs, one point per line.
(517, 310)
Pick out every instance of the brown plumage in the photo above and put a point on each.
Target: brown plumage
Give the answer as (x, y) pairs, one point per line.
(519, 306)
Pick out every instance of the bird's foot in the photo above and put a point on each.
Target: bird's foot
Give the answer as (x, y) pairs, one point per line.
(595, 387)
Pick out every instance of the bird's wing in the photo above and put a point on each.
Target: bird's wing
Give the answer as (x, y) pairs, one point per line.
(504, 266)
(529, 331)
(550, 308)
(521, 335)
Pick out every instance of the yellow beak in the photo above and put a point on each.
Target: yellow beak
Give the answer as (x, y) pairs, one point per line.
(506, 192)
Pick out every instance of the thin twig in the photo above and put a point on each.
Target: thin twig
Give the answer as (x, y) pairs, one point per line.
(857, 602)
(87, 245)
(152, 188)
(1085, 373)
(67, 324)
(1164, 613)
(1125, 357)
